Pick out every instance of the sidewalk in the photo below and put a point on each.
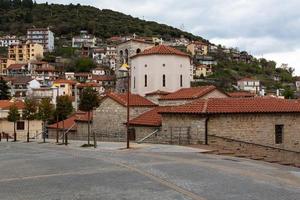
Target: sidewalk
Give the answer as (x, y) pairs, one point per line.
(121, 146)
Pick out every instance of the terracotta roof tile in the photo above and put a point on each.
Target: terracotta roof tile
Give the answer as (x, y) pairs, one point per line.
(189, 93)
(65, 81)
(240, 94)
(157, 92)
(103, 78)
(70, 122)
(16, 66)
(238, 105)
(134, 99)
(247, 79)
(89, 84)
(5, 104)
(161, 50)
(149, 118)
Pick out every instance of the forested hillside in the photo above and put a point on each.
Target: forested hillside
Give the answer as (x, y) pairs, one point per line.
(68, 20)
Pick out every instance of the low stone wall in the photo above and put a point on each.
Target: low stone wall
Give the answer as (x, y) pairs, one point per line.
(252, 149)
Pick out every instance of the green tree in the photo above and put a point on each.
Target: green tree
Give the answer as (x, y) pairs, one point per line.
(4, 90)
(45, 111)
(29, 112)
(13, 116)
(89, 99)
(84, 65)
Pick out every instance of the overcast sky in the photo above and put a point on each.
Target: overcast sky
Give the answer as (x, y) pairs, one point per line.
(265, 28)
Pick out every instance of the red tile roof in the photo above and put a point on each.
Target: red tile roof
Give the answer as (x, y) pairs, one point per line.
(238, 105)
(65, 81)
(16, 66)
(70, 122)
(240, 94)
(157, 92)
(103, 78)
(189, 93)
(5, 104)
(161, 50)
(149, 118)
(247, 79)
(89, 84)
(134, 99)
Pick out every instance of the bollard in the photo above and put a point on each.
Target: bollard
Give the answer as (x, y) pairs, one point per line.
(6, 137)
(66, 139)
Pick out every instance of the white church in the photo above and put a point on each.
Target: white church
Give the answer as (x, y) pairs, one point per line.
(160, 68)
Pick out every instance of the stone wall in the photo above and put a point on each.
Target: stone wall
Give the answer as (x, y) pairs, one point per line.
(189, 128)
(254, 150)
(109, 119)
(258, 128)
(35, 128)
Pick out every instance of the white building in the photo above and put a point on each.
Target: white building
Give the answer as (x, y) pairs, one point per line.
(43, 36)
(160, 68)
(249, 84)
(8, 40)
(84, 39)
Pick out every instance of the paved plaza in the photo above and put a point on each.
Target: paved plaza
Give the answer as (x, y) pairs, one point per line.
(37, 171)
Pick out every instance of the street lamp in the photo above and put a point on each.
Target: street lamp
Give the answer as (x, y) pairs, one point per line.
(125, 68)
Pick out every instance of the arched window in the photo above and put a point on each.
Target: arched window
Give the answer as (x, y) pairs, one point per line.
(164, 80)
(134, 82)
(181, 83)
(146, 81)
(121, 56)
(138, 51)
(126, 55)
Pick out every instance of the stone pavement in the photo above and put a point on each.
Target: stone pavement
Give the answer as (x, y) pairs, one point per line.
(55, 172)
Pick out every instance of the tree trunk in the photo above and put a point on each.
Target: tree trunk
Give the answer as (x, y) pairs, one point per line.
(27, 130)
(94, 134)
(15, 133)
(88, 127)
(63, 131)
(44, 131)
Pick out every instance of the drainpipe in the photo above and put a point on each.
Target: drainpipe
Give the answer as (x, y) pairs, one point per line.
(206, 130)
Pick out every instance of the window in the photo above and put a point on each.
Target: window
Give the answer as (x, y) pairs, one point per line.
(20, 125)
(134, 82)
(138, 51)
(181, 80)
(62, 86)
(164, 65)
(279, 134)
(146, 65)
(146, 81)
(164, 80)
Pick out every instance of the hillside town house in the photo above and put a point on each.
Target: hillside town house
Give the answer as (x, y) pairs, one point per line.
(25, 52)
(84, 40)
(197, 48)
(8, 40)
(21, 126)
(249, 84)
(42, 36)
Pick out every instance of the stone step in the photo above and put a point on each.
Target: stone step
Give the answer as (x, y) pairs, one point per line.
(271, 160)
(257, 158)
(225, 152)
(286, 163)
(242, 155)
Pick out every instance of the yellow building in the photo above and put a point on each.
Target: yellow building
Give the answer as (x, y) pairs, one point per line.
(25, 52)
(66, 87)
(4, 63)
(35, 126)
(197, 48)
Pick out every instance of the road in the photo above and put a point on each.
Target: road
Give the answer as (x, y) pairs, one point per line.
(54, 172)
